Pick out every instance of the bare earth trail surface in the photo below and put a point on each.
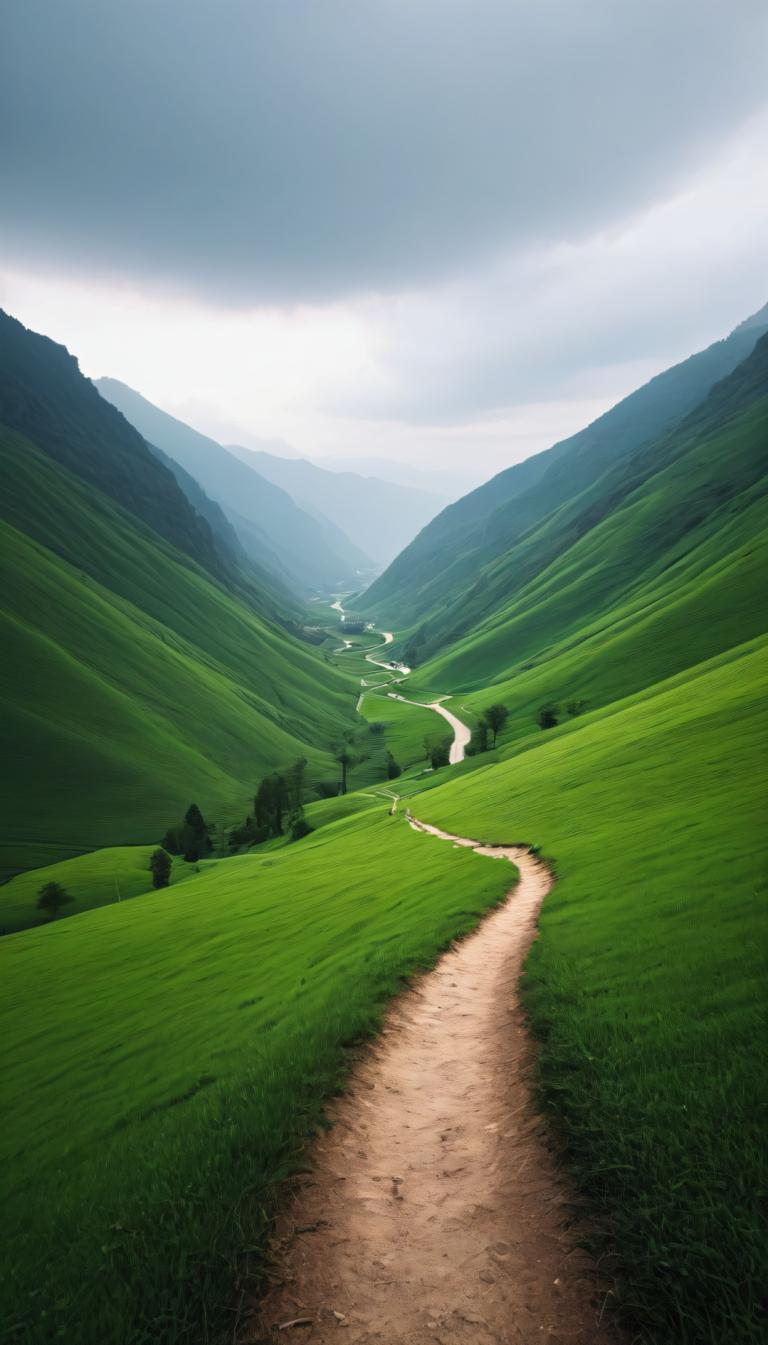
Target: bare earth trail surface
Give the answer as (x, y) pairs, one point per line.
(434, 1212)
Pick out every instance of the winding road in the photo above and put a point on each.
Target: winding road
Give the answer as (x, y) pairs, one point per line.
(399, 671)
(434, 1213)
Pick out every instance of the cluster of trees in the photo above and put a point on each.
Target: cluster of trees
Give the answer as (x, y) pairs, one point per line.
(278, 806)
(492, 721)
(548, 716)
(437, 750)
(488, 728)
(191, 838)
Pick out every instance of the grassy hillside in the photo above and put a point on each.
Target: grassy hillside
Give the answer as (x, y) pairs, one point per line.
(99, 878)
(44, 397)
(313, 552)
(219, 1032)
(132, 681)
(448, 555)
(659, 566)
(647, 984)
(199, 1029)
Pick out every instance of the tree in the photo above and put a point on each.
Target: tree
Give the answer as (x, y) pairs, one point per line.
(172, 840)
(346, 760)
(440, 753)
(495, 717)
(160, 865)
(51, 898)
(393, 768)
(194, 839)
(479, 740)
(575, 707)
(296, 778)
(547, 717)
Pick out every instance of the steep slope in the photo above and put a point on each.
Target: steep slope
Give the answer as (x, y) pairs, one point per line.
(268, 522)
(380, 517)
(44, 396)
(450, 552)
(132, 681)
(259, 581)
(659, 565)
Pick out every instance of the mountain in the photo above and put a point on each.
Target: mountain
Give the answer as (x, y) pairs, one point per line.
(379, 516)
(260, 580)
(44, 397)
(453, 550)
(273, 530)
(453, 481)
(135, 677)
(659, 565)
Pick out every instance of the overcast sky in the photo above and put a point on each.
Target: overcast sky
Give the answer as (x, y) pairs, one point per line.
(431, 230)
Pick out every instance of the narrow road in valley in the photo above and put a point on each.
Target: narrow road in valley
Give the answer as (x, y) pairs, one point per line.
(461, 733)
(399, 671)
(433, 1213)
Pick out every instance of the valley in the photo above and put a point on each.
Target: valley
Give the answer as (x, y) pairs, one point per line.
(398, 1010)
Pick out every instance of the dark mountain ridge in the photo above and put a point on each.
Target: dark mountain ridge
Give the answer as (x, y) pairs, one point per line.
(44, 397)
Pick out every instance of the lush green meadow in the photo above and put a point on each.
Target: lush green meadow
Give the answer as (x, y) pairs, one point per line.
(647, 984)
(98, 878)
(405, 726)
(175, 1050)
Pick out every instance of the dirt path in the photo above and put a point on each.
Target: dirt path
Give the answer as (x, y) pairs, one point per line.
(434, 1214)
(397, 672)
(461, 733)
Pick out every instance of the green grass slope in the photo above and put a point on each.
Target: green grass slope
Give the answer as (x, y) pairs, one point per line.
(647, 984)
(132, 681)
(660, 566)
(45, 398)
(198, 1030)
(95, 879)
(445, 559)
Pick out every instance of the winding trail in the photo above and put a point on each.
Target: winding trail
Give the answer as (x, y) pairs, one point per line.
(461, 733)
(399, 671)
(434, 1212)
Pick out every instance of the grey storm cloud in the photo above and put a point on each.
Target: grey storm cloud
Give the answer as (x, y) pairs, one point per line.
(252, 151)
